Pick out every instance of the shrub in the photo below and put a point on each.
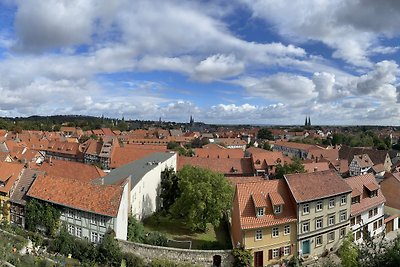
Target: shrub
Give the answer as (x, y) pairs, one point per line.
(156, 239)
(132, 260)
(242, 257)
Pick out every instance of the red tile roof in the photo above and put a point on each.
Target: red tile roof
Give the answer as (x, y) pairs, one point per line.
(295, 145)
(248, 218)
(125, 155)
(236, 153)
(357, 183)
(276, 198)
(316, 185)
(316, 166)
(259, 200)
(9, 173)
(234, 180)
(100, 199)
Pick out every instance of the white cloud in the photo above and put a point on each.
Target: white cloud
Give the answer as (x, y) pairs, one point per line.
(216, 67)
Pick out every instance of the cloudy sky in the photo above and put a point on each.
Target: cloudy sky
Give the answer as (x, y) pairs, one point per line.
(223, 61)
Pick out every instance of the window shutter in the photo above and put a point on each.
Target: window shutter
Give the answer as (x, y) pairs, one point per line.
(270, 254)
(290, 250)
(281, 253)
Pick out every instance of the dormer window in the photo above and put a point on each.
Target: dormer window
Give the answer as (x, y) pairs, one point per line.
(260, 212)
(277, 209)
(258, 161)
(355, 200)
(373, 193)
(372, 189)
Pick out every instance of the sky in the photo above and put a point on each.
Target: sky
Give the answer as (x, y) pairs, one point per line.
(221, 61)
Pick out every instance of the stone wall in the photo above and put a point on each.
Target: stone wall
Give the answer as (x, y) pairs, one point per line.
(193, 256)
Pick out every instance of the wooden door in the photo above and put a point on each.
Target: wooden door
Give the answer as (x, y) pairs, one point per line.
(258, 259)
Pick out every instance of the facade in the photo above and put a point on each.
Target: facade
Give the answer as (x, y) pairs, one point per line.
(100, 151)
(367, 207)
(265, 162)
(64, 151)
(293, 149)
(88, 210)
(264, 221)
(323, 209)
(390, 188)
(145, 179)
(360, 165)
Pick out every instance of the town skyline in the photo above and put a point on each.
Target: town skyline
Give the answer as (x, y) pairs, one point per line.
(237, 62)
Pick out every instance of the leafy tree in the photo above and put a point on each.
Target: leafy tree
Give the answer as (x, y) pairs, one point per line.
(42, 215)
(109, 251)
(264, 133)
(198, 142)
(169, 188)
(172, 145)
(266, 145)
(242, 257)
(205, 197)
(348, 251)
(156, 239)
(136, 232)
(295, 167)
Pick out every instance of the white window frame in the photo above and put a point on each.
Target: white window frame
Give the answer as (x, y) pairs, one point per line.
(258, 235)
(306, 209)
(70, 213)
(286, 230)
(305, 225)
(78, 231)
(342, 232)
(320, 222)
(260, 212)
(275, 232)
(78, 215)
(102, 221)
(332, 200)
(286, 250)
(320, 241)
(277, 209)
(343, 216)
(94, 236)
(100, 238)
(319, 203)
(329, 219)
(71, 229)
(93, 219)
(275, 253)
(331, 234)
(343, 200)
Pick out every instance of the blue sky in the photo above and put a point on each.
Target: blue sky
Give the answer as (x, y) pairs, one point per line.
(239, 61)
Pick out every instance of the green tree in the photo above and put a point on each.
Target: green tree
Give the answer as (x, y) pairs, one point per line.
(172, 145)
(39, 215)
(295, 167)
(205, 197)
(348, 251)
(136, 232)
(109, 251)
(264, 133)
(242, 257)
(169, 188)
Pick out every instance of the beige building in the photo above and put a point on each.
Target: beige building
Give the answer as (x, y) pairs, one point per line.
(264, 221)
(323, 208)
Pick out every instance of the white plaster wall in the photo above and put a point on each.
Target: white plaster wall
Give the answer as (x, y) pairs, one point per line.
(370, 222)
(121, 222)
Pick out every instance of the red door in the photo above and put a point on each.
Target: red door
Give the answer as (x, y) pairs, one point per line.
(258, 259)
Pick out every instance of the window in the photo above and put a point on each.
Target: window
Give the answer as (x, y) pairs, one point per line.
(375, 211)
(286, 230)
(355, 200)
(331, 220)
(306, 209)
(331, 236)
(318, 223)
(93, 219)
(375, 225)
(260, 212)
(358, 219)
(358, 235)
(318, 207)
(101, 237)
(258, 234)
(77, 215)
(353, 221)
(342, 232)
(277, 209)
(102, 221)
(70, 213)
(286, 250)
(331, 203)
(78, 232)
(370, 213)
(318, 241)
(343, 200)
(93, 237)
(71, 229)
(275, 253)
(275, 232)
(343, 216)
(380, 222)
(306, 227)
(373, 193)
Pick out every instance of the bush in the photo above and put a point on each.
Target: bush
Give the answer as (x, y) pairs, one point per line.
(242, 257)
(136, 231)
(132, 260)
(168, 263)
(156, 239)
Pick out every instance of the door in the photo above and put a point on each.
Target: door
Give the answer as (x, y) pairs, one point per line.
(389, 226)
(306, 247)
(258, 259)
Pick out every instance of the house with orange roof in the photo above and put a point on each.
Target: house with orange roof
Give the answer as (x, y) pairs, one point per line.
(265, 162)
(316, 166)
(10, 173)
(293, 149)
(367, 207)
(87, 210)
(360, 164)
(100, 151)
(264, 221)
(323, 209)
(64, 151)
(129, 153)
(218, 152)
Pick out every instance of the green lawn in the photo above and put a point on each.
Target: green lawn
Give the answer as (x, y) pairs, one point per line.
(213, 238)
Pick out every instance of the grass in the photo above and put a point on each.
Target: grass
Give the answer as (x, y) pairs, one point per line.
(212, 238)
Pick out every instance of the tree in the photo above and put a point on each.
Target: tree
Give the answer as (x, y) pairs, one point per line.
(169, 188)
(295, 167)
(136, 232)
(348, 251)
(172, 145)
(41, 215)
(109, 251)
(264, 133)
(242, 257)
(205, 197)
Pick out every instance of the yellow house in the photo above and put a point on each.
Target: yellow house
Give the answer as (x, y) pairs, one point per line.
(264, 221)
(9, 175)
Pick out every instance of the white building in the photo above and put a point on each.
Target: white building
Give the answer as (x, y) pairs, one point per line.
(145, 181)
(360, 165)
(367, 207)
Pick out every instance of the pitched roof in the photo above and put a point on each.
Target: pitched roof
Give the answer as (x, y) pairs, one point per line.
(248, 218)
(330, 154)
(270, 157)
(100, 199)
(377, 156)
(125, 155)
(227, 166)
(295, 145)
(234, 180)
(9, 173)
(316, 185)
(316, 166)
(219, 153)
(357, 183)
(25, 181)
(363, 160)
(70, 170)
